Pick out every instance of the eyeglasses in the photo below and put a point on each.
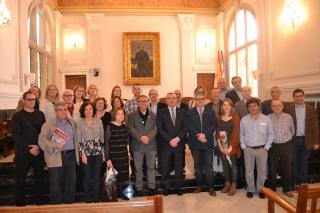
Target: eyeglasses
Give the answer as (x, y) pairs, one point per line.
(142, 101)
(30, 99)
(68, 95)
(63, 109)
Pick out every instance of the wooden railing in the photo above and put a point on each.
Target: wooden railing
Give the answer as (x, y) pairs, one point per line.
(305, 192)
(153, 204)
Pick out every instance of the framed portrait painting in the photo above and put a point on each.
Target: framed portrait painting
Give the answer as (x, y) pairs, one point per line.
(141, 58)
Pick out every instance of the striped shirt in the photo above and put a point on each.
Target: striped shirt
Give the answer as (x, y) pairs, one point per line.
(283, 127)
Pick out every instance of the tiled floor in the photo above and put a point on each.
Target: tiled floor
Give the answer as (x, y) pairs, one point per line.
(222, 203)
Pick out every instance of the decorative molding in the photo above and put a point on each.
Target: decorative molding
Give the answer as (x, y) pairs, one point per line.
(221, 17)
(89, 4)
(294, 75)
(305, 86)
(95, 21)
(186, 21)
(225, 5)
(204, 69)
(53, 4)
(14, 79)
(11, 95)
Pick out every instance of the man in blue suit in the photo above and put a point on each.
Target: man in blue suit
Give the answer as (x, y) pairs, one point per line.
(201, 123)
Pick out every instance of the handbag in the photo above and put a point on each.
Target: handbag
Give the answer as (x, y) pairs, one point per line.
(109, 191)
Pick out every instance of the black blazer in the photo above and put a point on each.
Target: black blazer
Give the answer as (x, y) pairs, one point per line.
(160, 106)
(232, 94)
(209, 122)
(167, 130)
(184, 106)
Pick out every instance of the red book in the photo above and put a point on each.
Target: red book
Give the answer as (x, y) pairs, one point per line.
(59, 136)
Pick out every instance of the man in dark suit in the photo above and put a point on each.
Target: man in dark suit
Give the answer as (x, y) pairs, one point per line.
(201, 123)
(235, 94)
(179, 103)
(306, 136)
(143, 130)
(155, 105)
(172, 129)
(241, 106)
(266, 105)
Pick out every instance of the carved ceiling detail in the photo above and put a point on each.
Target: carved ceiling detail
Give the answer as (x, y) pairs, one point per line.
(206, 4)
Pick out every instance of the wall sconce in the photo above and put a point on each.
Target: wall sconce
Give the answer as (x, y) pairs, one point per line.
(256, 74)
(4, 14)
(205, 44)
(74, 44)
(30, 78)
(292, 15)
(74, 41)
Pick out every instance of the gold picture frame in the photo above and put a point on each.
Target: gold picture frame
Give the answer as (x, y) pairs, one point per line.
(141, 57)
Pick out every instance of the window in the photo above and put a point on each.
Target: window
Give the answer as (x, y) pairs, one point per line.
(242, 48)
(40, 54)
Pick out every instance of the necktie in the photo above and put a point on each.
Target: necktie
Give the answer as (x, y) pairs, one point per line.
(200, 115)
(173, 116)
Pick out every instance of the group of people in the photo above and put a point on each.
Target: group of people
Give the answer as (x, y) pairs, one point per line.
(83, 130)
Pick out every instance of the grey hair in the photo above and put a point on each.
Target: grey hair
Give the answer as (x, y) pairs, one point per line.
(59, 104)
(68, 90)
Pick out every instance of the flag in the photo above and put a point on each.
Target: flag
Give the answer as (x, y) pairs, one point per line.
(220, 71)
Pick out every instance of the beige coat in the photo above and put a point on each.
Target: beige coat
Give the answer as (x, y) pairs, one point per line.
(52, 155)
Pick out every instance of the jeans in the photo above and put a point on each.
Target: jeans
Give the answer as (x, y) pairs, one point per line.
(64, 175)
(92, 178)
(300, 161)
(230, 172)
(24, 161)
(203, 159)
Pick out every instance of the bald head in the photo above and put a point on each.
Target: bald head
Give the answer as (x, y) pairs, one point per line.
(275, 92)
(68, 97)
(277, 106)
(222, 83)
(178, 94)
(246, 92)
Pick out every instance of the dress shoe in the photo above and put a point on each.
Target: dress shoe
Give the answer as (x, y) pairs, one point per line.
(289, 194)
(212, 192)
(249, 194)
(261, 195)
(179, 192)
(197, 190)
(165, 192)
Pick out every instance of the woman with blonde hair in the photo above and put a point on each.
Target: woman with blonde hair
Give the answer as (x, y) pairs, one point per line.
(47, 104)
(79, 95)
(92, 92)
(228, 138)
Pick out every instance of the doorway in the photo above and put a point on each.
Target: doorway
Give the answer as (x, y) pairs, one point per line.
(206, 80)
(73, 80)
